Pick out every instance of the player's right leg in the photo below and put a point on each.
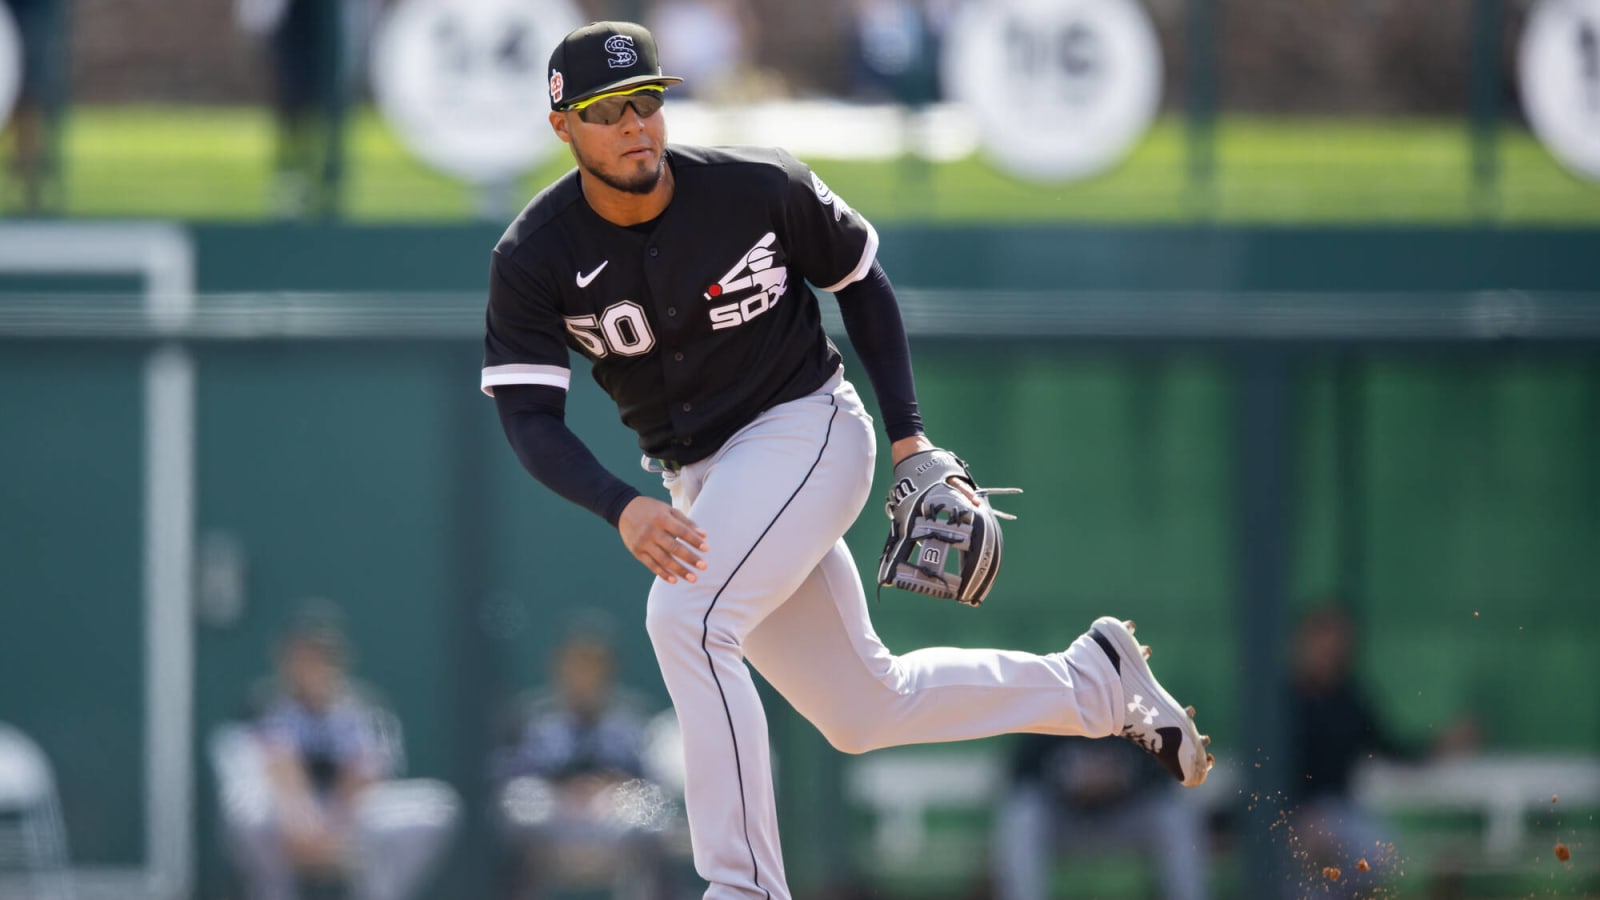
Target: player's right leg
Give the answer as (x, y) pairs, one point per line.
(772, 501)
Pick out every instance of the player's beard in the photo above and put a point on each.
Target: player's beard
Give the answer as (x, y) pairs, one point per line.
(639, 182)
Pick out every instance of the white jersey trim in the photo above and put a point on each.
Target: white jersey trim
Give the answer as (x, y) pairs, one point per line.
(868, 254)
(522, 373)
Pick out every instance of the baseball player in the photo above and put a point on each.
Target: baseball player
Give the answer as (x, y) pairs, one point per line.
(680, 274)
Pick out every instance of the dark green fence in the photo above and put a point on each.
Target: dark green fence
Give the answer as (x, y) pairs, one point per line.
(1213, 427)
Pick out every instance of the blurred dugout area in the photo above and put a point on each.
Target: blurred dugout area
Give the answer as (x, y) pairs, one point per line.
(1213, 427)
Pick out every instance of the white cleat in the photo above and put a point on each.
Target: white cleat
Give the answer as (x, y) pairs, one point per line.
(1151, 718)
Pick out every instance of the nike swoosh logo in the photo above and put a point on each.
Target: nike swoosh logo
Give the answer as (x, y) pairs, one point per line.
(583, 280)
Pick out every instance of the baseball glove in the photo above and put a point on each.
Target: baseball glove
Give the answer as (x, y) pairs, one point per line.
(944, 539)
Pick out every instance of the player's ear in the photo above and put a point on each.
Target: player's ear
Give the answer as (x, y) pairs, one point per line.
(558, 123)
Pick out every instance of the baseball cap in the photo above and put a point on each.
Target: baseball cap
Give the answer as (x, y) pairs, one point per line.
(601, 57)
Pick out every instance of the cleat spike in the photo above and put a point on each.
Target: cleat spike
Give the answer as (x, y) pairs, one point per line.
(1145, 651)
(1128, 624)
(1205, 740)
(1189, 710)
(1210, 761)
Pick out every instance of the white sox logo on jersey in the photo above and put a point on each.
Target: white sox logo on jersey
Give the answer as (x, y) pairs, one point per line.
(754, 269)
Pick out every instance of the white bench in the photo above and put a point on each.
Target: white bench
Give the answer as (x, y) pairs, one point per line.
(900, 787)
(1503, 788)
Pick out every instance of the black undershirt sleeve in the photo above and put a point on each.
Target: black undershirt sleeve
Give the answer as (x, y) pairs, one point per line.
(872, 320)
(534, 419)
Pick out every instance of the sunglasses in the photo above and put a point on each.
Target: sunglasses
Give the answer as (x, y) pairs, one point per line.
(607, 109)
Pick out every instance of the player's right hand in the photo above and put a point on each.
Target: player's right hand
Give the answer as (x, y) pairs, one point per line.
(662, 538)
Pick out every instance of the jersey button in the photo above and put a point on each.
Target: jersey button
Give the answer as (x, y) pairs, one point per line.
(686, 441)
(677, 357)
(672, 311)
(688, 406)
(654, 252)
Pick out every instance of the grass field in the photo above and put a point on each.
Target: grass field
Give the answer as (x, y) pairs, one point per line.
(211, 163)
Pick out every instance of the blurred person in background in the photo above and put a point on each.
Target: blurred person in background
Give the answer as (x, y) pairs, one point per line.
(1073, 797)
(897, 48)
(32, 184)
(574, 801)
(714, 38)
(316, 48)
(325, 747)
(1333, 727)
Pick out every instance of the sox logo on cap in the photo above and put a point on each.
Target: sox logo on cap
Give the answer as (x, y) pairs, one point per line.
(620, 46)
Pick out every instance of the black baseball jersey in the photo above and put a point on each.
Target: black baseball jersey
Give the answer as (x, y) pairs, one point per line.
(695, 324)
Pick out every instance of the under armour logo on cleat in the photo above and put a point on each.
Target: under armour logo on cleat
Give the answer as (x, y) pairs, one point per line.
(1149, 712)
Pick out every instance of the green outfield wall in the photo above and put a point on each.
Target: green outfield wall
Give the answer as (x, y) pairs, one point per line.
(1442, 480)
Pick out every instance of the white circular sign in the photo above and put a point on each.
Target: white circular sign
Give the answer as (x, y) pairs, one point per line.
(1060, 89)
(463, 81)
(10, 64)
(1558, 66)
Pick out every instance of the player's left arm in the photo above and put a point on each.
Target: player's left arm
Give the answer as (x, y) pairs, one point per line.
(836, 248)
(872, 320)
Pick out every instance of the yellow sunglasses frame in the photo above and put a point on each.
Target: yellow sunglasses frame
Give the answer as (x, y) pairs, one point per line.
(623, 92)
